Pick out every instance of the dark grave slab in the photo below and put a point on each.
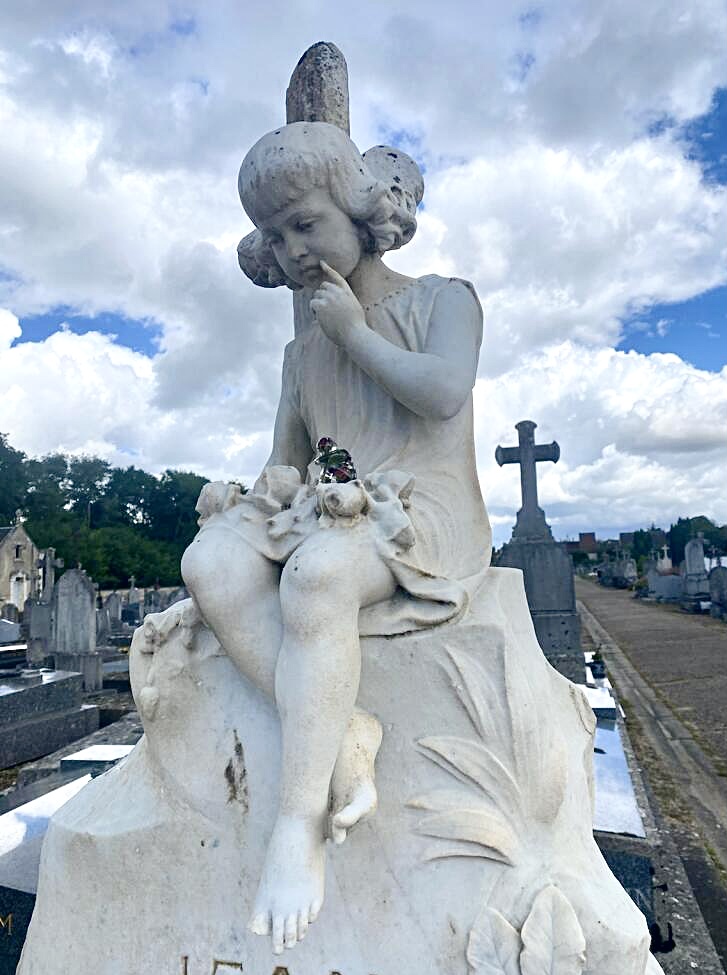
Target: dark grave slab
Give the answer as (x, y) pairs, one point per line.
(40, 711)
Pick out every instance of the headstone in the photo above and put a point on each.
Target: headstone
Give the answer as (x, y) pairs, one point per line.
(666, 588)
(177, 595)
(663, 560)
(135, 596)
(718, 592)
(103, 625)
(696, 581)
(74, 627)
(48, 563)
(113, 606)
(152, 601)
(618, 571)
(481, 847)
(37, 616)
(546, 566)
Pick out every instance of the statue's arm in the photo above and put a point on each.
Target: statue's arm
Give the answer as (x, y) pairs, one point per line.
(291, 441)
(434, 383)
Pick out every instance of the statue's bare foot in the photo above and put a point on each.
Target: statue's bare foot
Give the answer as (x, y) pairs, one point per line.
(353, 788)
(290, 893)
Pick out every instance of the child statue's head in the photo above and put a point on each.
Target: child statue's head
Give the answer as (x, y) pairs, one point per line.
(378, 191)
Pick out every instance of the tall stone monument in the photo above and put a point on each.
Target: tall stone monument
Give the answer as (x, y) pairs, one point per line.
(545, 564)
(74, 628)
(696, 581)
(349, 667)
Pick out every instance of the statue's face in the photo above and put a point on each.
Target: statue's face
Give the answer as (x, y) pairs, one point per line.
(311, 230)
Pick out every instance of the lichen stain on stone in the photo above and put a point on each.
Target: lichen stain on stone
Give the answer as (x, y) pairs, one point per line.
(236, 775)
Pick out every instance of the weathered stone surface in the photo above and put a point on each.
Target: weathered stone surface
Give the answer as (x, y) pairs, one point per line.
(318, 90)
(696, 583)
(74, 613)
(195, 819)
(718, 591)
(666, 588)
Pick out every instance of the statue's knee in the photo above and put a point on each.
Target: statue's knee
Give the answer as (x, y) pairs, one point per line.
(196, 564)
(312, 572)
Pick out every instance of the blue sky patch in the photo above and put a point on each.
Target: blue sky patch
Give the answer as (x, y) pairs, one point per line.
(696, 330)
(707, 139)
(141, 336)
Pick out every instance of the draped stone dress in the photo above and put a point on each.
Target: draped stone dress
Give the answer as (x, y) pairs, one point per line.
(435, 536)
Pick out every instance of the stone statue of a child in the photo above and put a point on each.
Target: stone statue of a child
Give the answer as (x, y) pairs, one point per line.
(289, 576)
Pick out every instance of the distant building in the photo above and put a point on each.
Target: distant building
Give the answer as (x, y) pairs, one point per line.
(586, 543)
(18, 564)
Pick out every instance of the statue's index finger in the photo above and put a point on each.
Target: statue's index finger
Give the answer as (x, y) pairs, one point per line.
(332, 275)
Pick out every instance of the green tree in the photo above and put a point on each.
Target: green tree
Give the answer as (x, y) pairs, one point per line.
(686, 528)
(641, 546)
(13, 482)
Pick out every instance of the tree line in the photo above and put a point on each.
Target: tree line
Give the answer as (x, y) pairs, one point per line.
(117, 522)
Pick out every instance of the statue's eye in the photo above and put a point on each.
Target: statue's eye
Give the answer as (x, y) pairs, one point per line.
(304, 225)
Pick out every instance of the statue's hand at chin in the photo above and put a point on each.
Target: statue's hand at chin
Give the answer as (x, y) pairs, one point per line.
(335, 307)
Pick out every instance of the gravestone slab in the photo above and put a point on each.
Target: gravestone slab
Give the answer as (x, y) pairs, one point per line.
(718, 592)
(113, 605)
(38, 622)
(696, 582)
(74, 614)
(665, 588)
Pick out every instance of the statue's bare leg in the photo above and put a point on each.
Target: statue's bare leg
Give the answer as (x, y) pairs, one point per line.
(237, 592)
(323, 587)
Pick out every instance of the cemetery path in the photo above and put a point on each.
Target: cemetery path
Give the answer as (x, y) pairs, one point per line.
(668, 668)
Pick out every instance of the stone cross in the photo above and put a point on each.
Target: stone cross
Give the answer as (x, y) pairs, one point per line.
(318, 92)
(531, 521)
(49, 563)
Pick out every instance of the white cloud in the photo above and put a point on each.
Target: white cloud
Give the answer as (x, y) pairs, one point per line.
(642, 438)
(117, 193)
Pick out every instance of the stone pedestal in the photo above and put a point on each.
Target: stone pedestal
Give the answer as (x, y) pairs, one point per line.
(548, 577)
(481, 847)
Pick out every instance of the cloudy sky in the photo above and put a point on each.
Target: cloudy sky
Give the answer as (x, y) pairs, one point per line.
(575, 155)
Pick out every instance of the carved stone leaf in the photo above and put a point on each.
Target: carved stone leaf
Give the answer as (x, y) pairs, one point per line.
(490, 831)
(476, 690)
(493, 946)
(471, 762)
(553, 942)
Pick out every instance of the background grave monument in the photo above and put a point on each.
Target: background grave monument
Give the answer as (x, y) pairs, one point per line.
(696, 581)
(480, 852)
(718, 592)
(546, 566)
(74, 628)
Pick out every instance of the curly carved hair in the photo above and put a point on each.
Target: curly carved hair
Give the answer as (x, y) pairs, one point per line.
(288, 162)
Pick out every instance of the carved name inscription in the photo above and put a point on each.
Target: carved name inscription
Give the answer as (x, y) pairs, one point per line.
(218, 965)
(6, 924)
